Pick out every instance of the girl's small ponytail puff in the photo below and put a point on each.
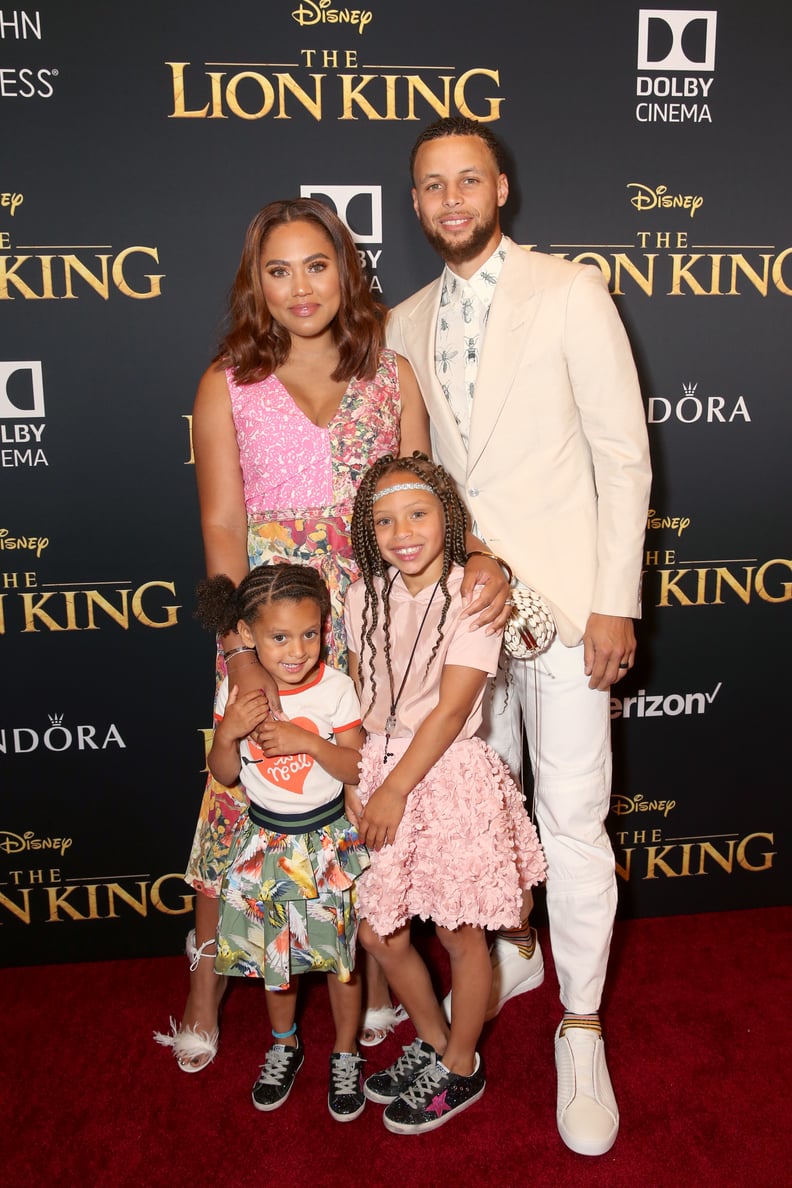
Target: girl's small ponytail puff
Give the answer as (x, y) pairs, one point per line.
(217, 605)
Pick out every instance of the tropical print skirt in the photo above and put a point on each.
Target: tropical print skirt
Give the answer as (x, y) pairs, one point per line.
(288, 903)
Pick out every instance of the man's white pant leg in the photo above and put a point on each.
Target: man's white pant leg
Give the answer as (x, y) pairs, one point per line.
(572, 775)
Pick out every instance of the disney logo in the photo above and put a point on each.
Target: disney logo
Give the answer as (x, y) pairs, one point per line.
(36, 544)
(12, 200)
(678, 523)
(15, 843)
(321, 12)
(622, 806)
(646, 198)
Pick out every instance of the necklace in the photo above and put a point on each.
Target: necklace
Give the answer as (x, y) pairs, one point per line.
(390, 721)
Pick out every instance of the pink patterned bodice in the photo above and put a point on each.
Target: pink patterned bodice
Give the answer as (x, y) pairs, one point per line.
(290, 465)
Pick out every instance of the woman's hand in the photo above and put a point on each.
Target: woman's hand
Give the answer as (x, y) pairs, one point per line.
(247, 674)
(243, 711)
(486, 586)
(381, 818)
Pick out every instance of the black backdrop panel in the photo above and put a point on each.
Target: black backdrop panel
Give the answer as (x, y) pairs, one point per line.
(137, 144)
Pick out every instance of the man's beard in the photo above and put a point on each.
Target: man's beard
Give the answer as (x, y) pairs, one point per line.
(461, 253)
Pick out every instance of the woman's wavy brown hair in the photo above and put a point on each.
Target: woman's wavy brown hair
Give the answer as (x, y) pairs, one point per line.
(256, 344)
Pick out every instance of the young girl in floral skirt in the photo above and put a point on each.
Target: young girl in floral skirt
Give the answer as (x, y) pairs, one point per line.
(450, 837)
(287, 903)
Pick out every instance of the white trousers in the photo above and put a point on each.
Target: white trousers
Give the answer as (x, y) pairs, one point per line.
(568, 730)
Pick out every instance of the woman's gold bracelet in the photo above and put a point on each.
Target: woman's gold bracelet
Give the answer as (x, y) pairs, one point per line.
(503, 564)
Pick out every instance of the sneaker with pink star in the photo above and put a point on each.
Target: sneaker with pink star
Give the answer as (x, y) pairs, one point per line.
(433, 1099)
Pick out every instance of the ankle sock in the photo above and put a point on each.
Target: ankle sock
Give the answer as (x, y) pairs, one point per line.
(587, 1022)
(523, 937)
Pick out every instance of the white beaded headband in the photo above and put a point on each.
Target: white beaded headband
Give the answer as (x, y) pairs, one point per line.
(404, 487)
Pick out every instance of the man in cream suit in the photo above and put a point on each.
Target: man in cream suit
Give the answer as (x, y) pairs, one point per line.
(536, 412)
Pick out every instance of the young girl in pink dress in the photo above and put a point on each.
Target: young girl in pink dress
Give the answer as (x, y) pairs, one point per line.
(448, 831)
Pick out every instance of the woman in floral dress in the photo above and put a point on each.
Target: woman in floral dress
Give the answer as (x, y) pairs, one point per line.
(301, 398)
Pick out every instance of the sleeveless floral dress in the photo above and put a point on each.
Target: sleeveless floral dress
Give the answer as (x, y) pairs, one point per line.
(300, 482)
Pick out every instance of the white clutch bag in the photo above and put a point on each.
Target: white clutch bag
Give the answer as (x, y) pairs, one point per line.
(530, 628)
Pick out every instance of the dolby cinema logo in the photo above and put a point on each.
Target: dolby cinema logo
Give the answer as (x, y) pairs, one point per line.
(676, 65)
(360, 209)
(21, 415)
(21, 390)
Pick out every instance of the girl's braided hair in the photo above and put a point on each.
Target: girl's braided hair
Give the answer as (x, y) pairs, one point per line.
(221, 604)
(371, 564)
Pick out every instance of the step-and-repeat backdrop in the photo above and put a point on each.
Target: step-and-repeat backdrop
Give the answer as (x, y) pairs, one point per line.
(137, 142)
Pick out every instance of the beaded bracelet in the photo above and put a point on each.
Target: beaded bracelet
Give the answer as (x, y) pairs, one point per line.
(503, 564)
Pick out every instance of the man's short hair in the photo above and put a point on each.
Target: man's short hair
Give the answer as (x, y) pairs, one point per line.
(460, 126)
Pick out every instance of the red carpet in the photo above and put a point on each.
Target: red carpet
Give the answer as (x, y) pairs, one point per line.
(698, 1041)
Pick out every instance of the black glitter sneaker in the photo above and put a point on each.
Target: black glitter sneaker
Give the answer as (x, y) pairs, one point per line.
(345, 1097)
(386, 1086)
(276, 1078)
(433, 1099)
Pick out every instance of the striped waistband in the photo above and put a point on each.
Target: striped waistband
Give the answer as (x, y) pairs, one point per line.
(297, 822)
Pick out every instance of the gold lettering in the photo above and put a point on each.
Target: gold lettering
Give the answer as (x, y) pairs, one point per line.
(93, 597)
(215, 78)
(115, 889)
(158, 902)
(739, 263)
(9, 274)
(786, 587)
(493, 112)
(22, 913)
(312, 106)
(121, 283)
(267, 92)
(623, 872)
(441, 106)
(767, 856)
(668, 586)
(778, 276)
(644, 282)
(73, 263)
(724, 861)
(681, 272)
(208, 735)
(32, 605)
(351, 95)
(140, 614)
(686, 848)
(654, 861)
(59, 899)
(180, 111)
(390, 98)
(188, 418)
(722, 574)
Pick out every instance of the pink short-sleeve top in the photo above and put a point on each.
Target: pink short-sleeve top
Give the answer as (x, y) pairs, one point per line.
(459, 645)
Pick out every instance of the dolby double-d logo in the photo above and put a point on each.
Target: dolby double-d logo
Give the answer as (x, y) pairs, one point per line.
(359, 207)
(21, 390)
(676, 39)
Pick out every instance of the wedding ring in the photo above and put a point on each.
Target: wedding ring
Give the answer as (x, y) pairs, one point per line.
(509, 602)
(623, 665)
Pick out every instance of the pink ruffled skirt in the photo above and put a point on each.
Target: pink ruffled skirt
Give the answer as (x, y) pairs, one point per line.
(465, 849)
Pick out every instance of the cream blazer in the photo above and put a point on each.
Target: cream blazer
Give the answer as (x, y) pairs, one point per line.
(557, 473)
